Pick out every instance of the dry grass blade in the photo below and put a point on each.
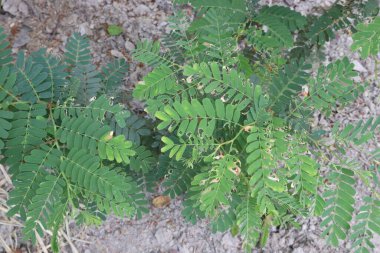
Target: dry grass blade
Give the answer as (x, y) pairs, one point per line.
(5, 174)
(5, 185)
(42, 244)
(5, 246)
(69, 241)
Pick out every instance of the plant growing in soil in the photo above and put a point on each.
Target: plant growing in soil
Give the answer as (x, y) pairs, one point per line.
(232, 93)
(63, 138)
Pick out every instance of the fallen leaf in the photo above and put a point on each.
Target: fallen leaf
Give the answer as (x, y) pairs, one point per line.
(236, 170)
(247, 128)
(108, 136)
(114, 30)
(215, 180)
(161, 201)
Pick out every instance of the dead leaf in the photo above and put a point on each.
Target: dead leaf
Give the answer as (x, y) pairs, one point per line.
(215, 180)
(236, 170)
(161, 201)
(108, 136)
(247, 128)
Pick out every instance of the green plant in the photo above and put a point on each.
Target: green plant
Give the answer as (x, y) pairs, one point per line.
(232, 97)
(234, 94)
(58, 137)
(114, 30)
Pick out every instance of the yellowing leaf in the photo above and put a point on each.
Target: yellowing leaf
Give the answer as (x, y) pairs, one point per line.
(161, 201)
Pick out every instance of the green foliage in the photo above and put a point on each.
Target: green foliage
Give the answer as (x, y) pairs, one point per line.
(149, 53)
(292, 19)
(333, 85)
(134, 128)
(323, 28)
(367, 225)
(155, 83)
(281, 22)
(197, 117)
(215, 186)
(43, 204)
(30, 83)
(113, 75)
(77, 51)
(287, 84)
(57, 136)
(8, 81)
(226, 84)
(358, 133)
(143, 161)
(233, 93)
(55, 69)
(249, 222)
(114, 30)
(366, 40)
(90, 82)
(228, 110)
(260, 163)
(238, 5)
(83, 169)
(178, 179)
(29, 127)
(5, 51)
(339, 205)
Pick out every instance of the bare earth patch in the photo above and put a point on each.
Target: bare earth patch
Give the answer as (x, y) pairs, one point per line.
(48, 23)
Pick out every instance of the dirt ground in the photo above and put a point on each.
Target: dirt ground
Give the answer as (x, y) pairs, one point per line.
(48, 23)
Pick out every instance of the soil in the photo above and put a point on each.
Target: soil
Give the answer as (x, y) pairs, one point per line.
(34, 24)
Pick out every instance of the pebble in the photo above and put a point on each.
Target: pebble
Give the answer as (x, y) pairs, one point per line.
(84, 29)
(117, 53)
(23, 8)
(229, 242)
(298, 250)
(11, 6)
(94, 2)
(359, 67)
(142, 10)
(129, 46)
(163, 235)
(22, 37)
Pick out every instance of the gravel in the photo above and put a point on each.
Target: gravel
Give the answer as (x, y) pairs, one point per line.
(163, 230)
(41, 23)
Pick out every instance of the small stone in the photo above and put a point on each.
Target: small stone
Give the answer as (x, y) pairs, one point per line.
(84, 29)
(357, 79)
(142, 10)
(23, 8)
(298, 250)
(359, 67)
(163, 236)
(229, 242)
(117, 53)
(22, 38)
(129, 46)
(11, 6)
(94, 2)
